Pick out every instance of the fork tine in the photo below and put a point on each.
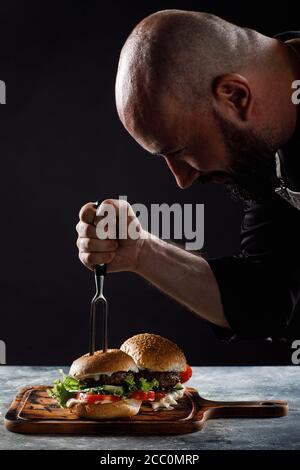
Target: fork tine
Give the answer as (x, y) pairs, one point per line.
(98, 301)
(92, 327)
(99, 274)
(101, 306)
(104, 326)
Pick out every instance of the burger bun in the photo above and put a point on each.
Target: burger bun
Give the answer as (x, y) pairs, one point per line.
(124, 408)
(155, 353)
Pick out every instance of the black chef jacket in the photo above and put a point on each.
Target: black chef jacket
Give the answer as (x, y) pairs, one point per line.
(260, 287)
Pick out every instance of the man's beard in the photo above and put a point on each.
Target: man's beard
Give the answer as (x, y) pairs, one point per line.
(252, 163)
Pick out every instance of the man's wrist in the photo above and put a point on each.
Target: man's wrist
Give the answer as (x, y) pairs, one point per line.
(146, 250)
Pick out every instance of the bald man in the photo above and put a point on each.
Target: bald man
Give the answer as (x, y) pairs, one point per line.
(214, 100)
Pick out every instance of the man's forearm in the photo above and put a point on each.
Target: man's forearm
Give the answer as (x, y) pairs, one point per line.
(183, 276)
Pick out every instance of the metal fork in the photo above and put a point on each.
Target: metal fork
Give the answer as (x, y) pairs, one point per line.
(98, 301)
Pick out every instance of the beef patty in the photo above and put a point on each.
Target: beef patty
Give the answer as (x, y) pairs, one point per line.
(117, 378)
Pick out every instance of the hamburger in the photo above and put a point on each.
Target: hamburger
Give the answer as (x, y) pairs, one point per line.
(99, 386)
(163, 370)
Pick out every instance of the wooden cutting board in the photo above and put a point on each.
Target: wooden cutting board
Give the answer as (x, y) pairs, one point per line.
(34, 412)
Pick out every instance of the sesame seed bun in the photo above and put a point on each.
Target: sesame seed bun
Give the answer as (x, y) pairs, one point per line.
(155, 353)
(113, 360)
(120, 409)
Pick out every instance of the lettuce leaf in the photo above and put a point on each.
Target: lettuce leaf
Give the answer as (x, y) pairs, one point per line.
(116, 390)
(178, 386)
(145, 385)
(65, 389)
(129, 383)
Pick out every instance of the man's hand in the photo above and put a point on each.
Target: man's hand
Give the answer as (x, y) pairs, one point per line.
(118, 254)
(183, 276)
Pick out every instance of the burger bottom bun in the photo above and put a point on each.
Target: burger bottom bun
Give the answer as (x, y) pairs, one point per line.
(124, 408)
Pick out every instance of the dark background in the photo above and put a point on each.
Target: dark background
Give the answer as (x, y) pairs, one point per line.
(63, 145)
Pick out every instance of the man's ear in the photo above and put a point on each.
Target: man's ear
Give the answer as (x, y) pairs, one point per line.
(232, 96)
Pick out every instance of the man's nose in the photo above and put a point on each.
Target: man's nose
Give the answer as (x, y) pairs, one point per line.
(184, 174)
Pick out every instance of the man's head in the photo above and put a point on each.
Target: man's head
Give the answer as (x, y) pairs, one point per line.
(189, 88)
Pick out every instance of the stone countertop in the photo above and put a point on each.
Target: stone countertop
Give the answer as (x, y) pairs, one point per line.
(215, 383)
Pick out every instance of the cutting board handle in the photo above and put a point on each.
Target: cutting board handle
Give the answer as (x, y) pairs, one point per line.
(244, 409)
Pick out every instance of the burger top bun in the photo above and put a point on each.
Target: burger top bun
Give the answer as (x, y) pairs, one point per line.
(155, 353)
(113, 360)
(119, 409)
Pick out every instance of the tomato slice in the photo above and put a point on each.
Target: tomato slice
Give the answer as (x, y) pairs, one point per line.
(186, 375)
(159, 395)
(144, 396)
(92, 398)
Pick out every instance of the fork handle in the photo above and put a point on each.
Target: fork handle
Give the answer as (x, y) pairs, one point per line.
(100, 269)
